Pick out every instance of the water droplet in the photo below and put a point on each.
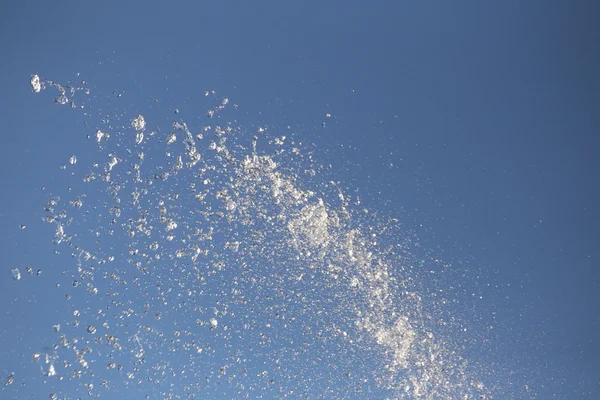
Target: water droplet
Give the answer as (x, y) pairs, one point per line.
(171, 225)
(73, 160)
(22, 226)
(101, 135)
(139, 123)
(16, 274)
(91, 329)
(76, 203)
(139, 137)
(36, 85)
(10, 379)
(112, 162)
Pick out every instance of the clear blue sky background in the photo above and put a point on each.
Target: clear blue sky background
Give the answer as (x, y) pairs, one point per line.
(476, 121)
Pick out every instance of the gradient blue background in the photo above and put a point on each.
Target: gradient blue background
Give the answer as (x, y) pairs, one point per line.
(476, 121)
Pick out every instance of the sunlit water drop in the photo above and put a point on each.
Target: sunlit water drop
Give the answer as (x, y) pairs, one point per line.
(139, 123)
(36, 86)
(16, 274)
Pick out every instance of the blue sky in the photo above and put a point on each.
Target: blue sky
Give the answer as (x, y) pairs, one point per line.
(474, 124)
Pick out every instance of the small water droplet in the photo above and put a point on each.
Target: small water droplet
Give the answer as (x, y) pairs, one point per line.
(36, 85)
(76, 203)
(139, 123)
(73, 160)
(101, 135)
(139, 137)
(16, 274)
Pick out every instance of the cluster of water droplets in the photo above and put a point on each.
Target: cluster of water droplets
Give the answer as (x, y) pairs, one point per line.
(219, 263)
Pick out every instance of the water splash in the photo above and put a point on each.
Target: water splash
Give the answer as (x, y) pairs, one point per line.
(271, 278)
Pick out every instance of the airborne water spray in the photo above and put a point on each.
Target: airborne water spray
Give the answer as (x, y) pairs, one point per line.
(214, 262)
